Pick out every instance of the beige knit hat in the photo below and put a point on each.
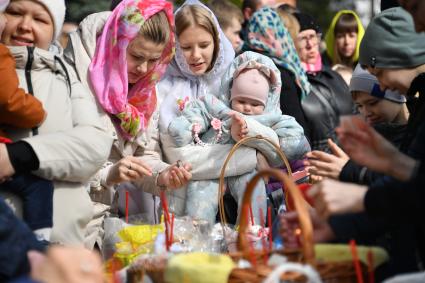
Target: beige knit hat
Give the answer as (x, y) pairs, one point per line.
(251, 84)
(57, 10)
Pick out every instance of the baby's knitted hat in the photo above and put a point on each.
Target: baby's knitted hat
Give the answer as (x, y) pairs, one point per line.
(251, 84)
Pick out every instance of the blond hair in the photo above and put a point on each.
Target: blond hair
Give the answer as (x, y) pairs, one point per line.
(197, 16)
(156, 28)
(225, 12)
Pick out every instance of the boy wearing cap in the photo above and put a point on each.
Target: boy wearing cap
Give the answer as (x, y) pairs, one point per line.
(385, 110)
(248, 106)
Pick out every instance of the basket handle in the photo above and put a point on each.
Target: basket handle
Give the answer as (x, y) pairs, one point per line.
(223, 169)
(300, 207)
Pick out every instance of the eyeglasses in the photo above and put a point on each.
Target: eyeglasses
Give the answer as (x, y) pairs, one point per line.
(314, 39)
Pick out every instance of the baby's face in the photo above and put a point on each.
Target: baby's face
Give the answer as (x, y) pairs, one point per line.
(247, 106)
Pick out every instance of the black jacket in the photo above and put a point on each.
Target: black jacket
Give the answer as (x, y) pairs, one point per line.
(290, 99)
(401, 202)
(395, 209)
(329, 98)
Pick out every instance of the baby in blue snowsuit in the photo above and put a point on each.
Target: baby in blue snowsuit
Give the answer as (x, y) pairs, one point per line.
(248, 105)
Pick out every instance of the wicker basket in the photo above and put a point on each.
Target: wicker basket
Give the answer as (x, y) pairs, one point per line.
(329, 271)
(242, 142)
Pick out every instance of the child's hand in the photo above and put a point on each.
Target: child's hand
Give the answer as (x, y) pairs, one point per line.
(3, 22)
(239, 128)
(175, 176)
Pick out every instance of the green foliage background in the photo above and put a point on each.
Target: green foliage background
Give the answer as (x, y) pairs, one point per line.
(79, 9)
(319, 9)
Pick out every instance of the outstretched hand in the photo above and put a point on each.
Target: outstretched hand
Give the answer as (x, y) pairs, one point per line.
(239, 128)
(365, 146)
(334, 197)
(175, 176)
(327, 165)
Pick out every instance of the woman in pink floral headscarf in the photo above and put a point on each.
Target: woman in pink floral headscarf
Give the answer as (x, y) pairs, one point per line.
(120, 56)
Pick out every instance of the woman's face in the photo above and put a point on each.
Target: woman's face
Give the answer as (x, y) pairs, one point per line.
(307, 43)
(394, 79)
(28, 24)
(346, 43)
(376, 110)
(197, 46)
(142, 57)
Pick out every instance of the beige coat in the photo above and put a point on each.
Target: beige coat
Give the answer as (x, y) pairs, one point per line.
(71, 144)
(79, 52)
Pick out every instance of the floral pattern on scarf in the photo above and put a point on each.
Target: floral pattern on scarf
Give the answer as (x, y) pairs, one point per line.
(268, 35)
(130, 110)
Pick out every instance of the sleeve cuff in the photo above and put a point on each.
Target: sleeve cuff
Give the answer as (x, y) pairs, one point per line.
(22, 157)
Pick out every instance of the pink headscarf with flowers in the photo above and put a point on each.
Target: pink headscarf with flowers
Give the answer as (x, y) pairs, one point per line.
(130, 110)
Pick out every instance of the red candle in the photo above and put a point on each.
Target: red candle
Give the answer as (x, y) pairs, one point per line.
(356, 261)
(166, 219)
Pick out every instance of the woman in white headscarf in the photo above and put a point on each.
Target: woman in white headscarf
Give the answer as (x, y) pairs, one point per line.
(203, 54)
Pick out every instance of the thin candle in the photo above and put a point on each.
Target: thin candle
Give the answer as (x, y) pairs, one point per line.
(166, 218)
(356, 261)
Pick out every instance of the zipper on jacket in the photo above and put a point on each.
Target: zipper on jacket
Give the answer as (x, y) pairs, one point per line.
(28, 68)
(68, 80)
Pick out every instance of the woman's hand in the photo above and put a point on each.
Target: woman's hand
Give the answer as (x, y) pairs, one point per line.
(239, 128)
(175, 176)
(323, 164)
(333, 197)
(129, 168)
(290, 229)
(6, 168)
(67, 265)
